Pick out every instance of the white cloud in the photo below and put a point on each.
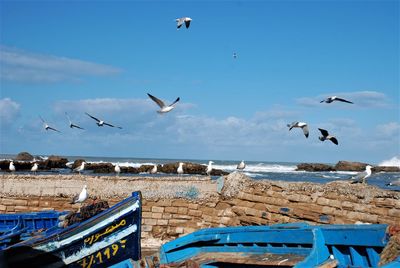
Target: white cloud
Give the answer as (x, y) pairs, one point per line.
(360, 98)
(9, 110)
(391, 129)
(22, 66)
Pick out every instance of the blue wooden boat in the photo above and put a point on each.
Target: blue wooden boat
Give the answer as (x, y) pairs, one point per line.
(105, 239)
(17, 227)
(285, 245)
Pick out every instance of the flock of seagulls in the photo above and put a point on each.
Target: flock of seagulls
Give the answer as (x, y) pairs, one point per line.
(325, 134)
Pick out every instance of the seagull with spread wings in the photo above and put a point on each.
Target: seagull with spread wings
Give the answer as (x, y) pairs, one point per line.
(101, 123)
(164, 108)
(180, 21)
(334, 98)
(301, 125)
(326, 136)
(47, 127)
(72, 125)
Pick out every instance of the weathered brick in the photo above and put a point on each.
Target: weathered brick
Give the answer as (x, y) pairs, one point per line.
(394, 212)
(195, 213)
(164, 203)
(146, 228)
(180, 203)
(379, 211)
(176, 222)
(3, 208)
(21, 208)
(171, 210)
(222, 205)
(299, 198)
(162, 222)
(182, 210)
(180, 216)
(33, 203)
(193, 206)
(157, 209)
(150, 221)
(146, 214)
(156, 215)
(167, 216)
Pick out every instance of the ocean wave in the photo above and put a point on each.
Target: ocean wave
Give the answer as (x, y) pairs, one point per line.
(392, 162)
(261, 167)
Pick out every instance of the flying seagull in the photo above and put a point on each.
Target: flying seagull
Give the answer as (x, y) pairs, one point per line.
(360, 177)
(180, 169)
(47, 127)
(164, 108)
(301, 125)
(81, 197)
(34, 167)
(241, 165)
(234, 55)
(326, 136)
(209, 168)
(334, 98)
(180, 21)
(80, 168)
(71, 125)
(100, 123)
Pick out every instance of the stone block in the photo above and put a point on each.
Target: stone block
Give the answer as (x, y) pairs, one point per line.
(164, 203)
(147, 228)
(182, 210)
(193, 206)
(157, 209)
(299, 198)
(180, 203)
(222, 205)
(171, 209)
(150, 221)
(180, 216)
(167, 216)
(176, 222)
(195, 213)
(3, 208)
(394, 213)
(379, 211)
(156, 215)
(33, 203)
(162, 222)
(146, 215)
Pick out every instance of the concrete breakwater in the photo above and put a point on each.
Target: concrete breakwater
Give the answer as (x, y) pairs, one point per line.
(173, 206)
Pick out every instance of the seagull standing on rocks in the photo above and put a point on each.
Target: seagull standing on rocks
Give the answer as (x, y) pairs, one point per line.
(180, 21)
(241, 165)
(80, 168)
(34, 167)
(326, 136)
(360, 177)
(153, 170)
(209, 168)
(101, 123)
(117, 169)
(71, 125)
(47, 127)
(81, 197)
(164, 108)
(180, 169)
(334, 98)
(11, 166)
(301, 125)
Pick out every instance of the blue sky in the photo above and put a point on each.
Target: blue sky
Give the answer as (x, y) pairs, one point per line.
(103, 57)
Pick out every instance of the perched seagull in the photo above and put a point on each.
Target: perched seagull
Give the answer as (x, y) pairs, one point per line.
(334, 98)
(34, 168)
(209, 168)
(117, 169)
(153, 170)
(71, 125)
(394, 183)
(81, 197)
(301, 125)
(360, 177)
(164, 108)
(47, 127)
(11, 166)
(326, 136)
(180, 21)
(80, 168)
(241, 165)
(180, 169)
(100, 123)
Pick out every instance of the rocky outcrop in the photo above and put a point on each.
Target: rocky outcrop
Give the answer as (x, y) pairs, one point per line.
(54, 162)
(24, 156)
(314, 167)
(189, 168)
(385, 169)
(350, 166)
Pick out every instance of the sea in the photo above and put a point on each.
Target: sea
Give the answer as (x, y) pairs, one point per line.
(259, 170)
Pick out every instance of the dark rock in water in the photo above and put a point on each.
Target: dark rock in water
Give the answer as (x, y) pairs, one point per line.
(385, 169)
(350, 166)
(77, 163)
(147, 168)
(24, 156)
(55, 162)
(189, 168)
(311, 167)
(19, 165)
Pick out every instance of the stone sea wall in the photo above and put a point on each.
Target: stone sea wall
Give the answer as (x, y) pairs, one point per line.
(173, 206)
